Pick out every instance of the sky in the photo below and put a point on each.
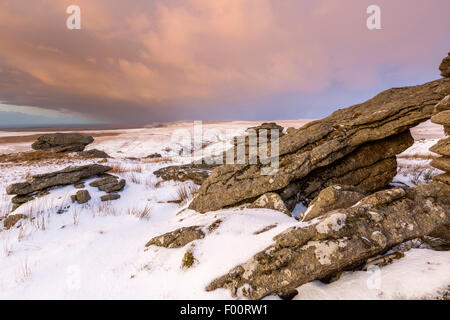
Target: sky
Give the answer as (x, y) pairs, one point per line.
(141, 61)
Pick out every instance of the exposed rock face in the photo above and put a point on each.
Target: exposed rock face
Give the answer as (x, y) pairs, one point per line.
(321, 143)
(340, 239)
(93, 153)
(82, 196)
(62, 142)
(12, 219)
(178, 238)
(66, 176)
(195, 172)
(370, 167)
(272, 201)
(331, 198)
(445, 66)
(442, 118)
(443, 146)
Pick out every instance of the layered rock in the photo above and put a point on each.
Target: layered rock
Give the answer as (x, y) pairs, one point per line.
(442, 147)
(39, 184)
(332, 198)
(370, 167)
(62, 142)
(340, 239)
(69, 175)
(194, 172)
(322, 143)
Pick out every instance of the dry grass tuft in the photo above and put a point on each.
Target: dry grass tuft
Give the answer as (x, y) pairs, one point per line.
(418, 173)
(158, 160)
(121, 168)
(185, 193)
(140, 213)
(23, 272)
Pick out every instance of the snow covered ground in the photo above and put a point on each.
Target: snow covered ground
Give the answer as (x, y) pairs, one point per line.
(97, 250)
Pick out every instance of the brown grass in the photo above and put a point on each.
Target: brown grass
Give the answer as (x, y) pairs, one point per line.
(419, 173)
(185, 193)
(140, 213)
(121, 168)
(418, 156)
(158, 160)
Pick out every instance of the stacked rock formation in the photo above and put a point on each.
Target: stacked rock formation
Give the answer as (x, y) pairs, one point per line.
(442, 117)
(354, 146)
(62, 142)
(38, 184)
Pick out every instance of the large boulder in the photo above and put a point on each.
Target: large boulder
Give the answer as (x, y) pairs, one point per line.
(321, 143)
(340, 239)
(62, 142)
(371, 167)
(69, 175)
(445, 66)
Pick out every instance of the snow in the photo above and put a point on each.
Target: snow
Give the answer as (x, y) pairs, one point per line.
(97, 250)
(421, 274)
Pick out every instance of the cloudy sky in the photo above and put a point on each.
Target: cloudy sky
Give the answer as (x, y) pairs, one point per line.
(140, 61)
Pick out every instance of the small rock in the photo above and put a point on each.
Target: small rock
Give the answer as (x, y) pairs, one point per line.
(79, 186)
(93, 153)
(62, 142)
(110, 197)
(11, 220)
(331, 198)
(271, 200)
(178, 238)
(442, 118)
(153, 156)
(83, 196)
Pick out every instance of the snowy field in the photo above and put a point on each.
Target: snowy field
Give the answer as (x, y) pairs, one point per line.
(97, 250)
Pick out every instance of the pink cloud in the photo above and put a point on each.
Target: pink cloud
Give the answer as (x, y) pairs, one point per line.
(143, 54)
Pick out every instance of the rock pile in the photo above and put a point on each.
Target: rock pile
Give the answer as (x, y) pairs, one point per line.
(62, 142)
(111, 185)
(353, 146)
